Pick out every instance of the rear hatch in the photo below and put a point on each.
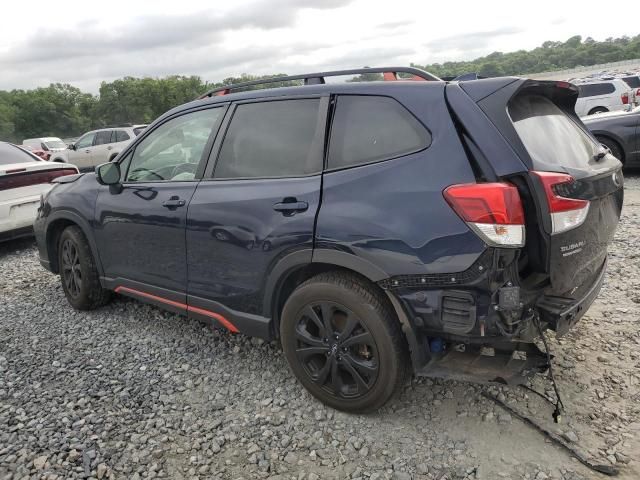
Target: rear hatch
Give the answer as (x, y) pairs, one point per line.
(571, 186)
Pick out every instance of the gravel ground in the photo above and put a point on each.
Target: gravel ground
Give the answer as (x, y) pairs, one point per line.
(129, 391)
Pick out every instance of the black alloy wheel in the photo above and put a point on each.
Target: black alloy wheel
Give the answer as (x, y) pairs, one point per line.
(343, 342)
(71, 270)
(335, 348)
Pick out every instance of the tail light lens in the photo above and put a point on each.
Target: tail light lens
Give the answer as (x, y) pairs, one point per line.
(625, 98)
(492, 210)
(566, 213)
(25, 179)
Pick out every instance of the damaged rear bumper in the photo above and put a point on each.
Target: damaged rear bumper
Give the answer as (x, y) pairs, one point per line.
(562, 313)
(451, 322)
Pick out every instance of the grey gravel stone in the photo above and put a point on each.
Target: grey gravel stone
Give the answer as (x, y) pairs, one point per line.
(130, 391)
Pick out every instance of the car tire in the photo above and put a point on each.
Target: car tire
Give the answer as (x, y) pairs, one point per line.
(616, 151)
(598, 110)
(344, 343)
(78, 271)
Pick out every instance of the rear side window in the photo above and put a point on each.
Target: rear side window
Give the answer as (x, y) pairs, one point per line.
(550, 136)
(369, 129)
(121, 136)
(594, 89)
(138, 130)
(272, 139)
(103, 137)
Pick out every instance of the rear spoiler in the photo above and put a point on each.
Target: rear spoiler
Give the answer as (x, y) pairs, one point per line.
(563, 94)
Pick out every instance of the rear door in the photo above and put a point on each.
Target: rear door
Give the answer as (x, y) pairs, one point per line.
(257, 202)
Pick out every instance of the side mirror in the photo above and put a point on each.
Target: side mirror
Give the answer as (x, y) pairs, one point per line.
(108, 173)
(72, 146)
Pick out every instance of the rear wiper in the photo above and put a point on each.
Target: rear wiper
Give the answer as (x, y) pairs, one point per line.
(601, 154)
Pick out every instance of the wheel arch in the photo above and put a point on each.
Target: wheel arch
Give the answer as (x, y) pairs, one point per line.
(294, 272)
(56, 225)
(597, 109)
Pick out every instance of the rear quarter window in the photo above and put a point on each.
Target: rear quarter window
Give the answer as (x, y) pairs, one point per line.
(633, 82)
(551, 137)
(368, 129)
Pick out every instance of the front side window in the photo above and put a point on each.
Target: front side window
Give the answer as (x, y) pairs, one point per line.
(174, 149)
(368, 129)
(103, 137)
(272, 139)
(85, 141)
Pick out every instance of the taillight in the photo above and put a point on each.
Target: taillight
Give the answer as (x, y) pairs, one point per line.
(36, 177)
(566, 213)
(625, 98)
(492, 210)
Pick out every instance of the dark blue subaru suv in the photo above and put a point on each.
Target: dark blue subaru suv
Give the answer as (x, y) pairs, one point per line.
(376, 229)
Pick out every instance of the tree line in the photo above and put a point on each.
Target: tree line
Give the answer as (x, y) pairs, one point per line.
(63, 110)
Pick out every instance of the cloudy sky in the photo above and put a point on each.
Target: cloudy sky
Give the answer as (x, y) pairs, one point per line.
(83, 43)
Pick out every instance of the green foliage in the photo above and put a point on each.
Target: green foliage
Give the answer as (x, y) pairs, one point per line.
(548, 57)
(64, 111)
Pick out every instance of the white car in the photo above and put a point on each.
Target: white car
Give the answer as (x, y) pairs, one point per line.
(98, 146)
(603, 96)
(23, 178)
(52, 145)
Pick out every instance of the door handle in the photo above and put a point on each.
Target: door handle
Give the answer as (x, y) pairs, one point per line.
(87, 151)
(289, 208)
(109, 147)
(174, 202)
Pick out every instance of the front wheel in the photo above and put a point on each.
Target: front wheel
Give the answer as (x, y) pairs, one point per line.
(78, 271)
(343, 342)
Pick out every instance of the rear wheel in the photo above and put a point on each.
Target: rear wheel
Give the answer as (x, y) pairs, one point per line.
(343, 343)
(78, 271)
(597, 110)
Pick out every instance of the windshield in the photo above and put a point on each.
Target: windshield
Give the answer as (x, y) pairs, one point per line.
(11, 154)
(53, 144)
(550, 136)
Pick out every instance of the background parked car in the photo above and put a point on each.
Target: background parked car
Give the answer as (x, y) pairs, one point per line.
(43, 154)
(603, 96)
(634, 83)
(51, 145)
(23, 178)
(98, 146)
(619, 131)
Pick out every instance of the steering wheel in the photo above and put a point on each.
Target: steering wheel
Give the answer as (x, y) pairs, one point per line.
(142, 169)
(182, 168)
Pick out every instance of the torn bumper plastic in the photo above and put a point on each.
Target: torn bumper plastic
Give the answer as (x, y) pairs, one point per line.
(562, 313)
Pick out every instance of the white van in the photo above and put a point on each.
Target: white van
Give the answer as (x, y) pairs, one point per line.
(603, 96)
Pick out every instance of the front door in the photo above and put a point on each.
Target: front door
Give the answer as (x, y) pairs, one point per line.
(102, 147)
(141, 228)
(256, 204)
(82, 153)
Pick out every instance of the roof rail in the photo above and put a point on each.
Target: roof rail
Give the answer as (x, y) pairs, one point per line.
(389, 74)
